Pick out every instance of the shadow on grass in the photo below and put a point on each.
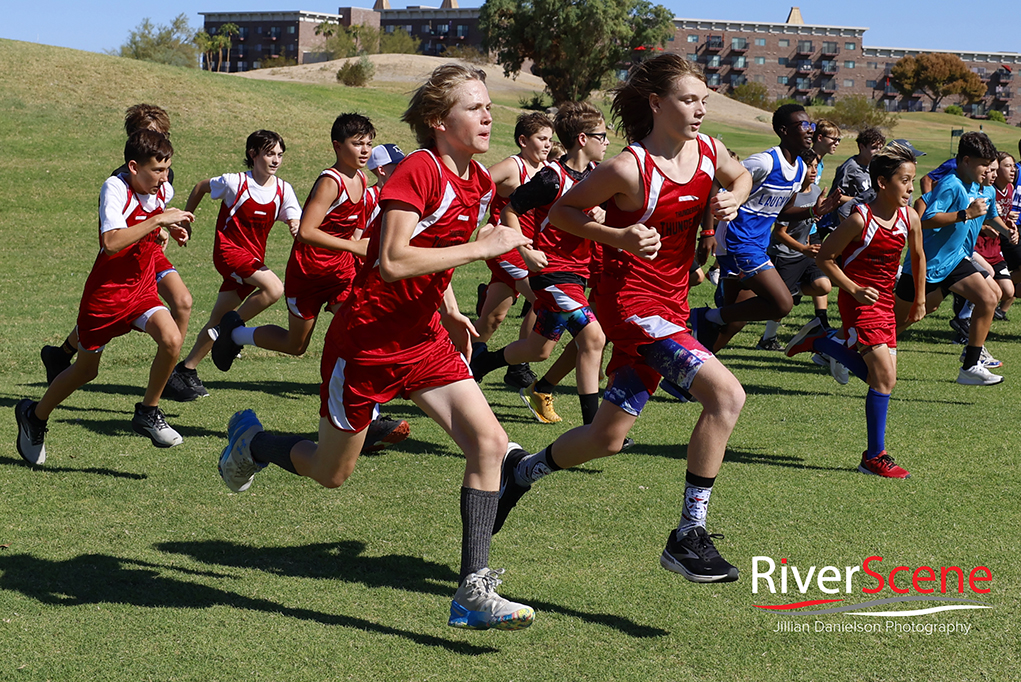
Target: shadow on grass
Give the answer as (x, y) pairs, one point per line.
(103, 579)
(290, 390)
(680, 451)
(97, 471)
(344, 561)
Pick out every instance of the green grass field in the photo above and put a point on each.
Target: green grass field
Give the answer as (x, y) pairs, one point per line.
(119, 561)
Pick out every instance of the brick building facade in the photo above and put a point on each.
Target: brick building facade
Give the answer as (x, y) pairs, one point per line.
(806, 62)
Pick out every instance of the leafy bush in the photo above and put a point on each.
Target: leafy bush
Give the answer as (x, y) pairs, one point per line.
(954, 110)
(398, 42)
(273, 62)
(997, 116)
(780, 101)
(466, 53)
(537, 102)
(857, 112)
(356, 73)
(752, 94)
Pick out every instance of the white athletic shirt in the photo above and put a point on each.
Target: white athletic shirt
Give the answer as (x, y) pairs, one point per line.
(225, 189)
(113, 197)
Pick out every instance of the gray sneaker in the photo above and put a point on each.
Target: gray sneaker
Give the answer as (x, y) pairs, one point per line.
(152, 424)
(236, 466)
(30, 436)
(477, 606)
(977, 375)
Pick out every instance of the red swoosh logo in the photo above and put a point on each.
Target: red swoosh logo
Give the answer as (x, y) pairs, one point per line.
(795, 605)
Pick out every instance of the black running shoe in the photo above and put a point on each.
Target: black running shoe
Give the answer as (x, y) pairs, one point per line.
(694, 556)
(480, 299)
(769, 344)
(224, 348)
(31, 434)
(191, 378)
(177, 388)
(998, 314)
(628, 443)
(520, 376)
(383, 431)
(510, 490)
(55, 360)
(961, 326)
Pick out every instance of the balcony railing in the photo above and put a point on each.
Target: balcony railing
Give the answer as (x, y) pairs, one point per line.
(714, 43)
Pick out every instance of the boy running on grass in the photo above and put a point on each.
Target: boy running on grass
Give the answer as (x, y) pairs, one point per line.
(120, 293)
(251, 203)
(400, 333)
(658, 190)
(753, 290)
(861, 257)
(169, 284)
(954, 213)
(533, 134)
(560, 277)
(321, 266)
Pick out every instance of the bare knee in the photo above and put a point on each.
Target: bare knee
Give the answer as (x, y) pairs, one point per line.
(334, 480)
(274, 290)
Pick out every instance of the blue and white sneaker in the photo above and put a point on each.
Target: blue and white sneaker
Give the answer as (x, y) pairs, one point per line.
(477, 606)
(236, 466)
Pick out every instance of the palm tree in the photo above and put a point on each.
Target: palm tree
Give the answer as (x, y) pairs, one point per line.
(226, 31)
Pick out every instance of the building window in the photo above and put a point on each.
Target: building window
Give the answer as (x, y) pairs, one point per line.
(848, 83)
(849, 64)
(258, 31)
(784, 42)
(242, 32)
(274, 32)
(713, 80)
(462, 30)
(256, 65)
(829, 47)
(760, 60)
(782, 80)
(850, 46)
(872, 65)
(870, 84)
(390, 28)
(738, 44)
(805, 46)
(290, 30)
(760, 42)
(759, 78)
(692, 38)
(242, 66)
(713, 61)
(443, 29)
(739, 62)
(782, 61)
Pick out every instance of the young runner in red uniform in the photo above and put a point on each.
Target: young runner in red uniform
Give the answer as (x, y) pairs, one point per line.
(658, 190)
(169, 284)
(120, 293)
(533, 134)
(862, 257)
(252, 203)
(401, 333)
(559, 279)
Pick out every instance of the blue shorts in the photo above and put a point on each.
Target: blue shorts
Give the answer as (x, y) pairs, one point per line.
(551, 324)
(676, 358)
(744, 264)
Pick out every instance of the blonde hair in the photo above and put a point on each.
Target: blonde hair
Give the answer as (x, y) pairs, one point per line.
(573, 119)
(431, 103)
(826, 127)
(655, 76)
(556, 150)
(146, 117)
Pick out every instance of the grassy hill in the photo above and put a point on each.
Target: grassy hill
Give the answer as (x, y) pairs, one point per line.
(122, 562)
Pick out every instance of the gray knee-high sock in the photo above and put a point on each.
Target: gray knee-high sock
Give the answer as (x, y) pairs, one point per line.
(478, 514)
(268, 448)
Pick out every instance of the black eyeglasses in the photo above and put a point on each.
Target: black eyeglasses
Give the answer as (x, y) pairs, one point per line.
(601, 136)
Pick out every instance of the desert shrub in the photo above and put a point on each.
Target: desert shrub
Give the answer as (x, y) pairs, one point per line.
(997, 116)
(356, 73)
(954, 110)
(466, 53)
(857, 112)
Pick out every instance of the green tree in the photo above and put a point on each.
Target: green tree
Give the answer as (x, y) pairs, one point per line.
(171, 44)
(398, 42)
(936, 75)
(224, 33)
(753, 94)
(572, 43)
(204, 43)
(856, 112)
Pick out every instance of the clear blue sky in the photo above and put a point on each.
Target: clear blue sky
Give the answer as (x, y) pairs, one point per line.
(986, 25)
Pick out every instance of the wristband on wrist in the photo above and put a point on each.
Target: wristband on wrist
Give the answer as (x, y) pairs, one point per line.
(962, 216)
(707, 233)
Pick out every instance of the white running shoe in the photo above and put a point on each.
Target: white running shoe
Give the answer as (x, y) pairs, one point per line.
(839, 372)
(977, 375)
(152, 424)
(477, 606)
(31, 445)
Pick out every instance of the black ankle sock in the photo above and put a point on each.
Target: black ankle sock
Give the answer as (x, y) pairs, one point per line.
(589, 407)
(543, 386)
(972, 355)
(547, 456)
(700, 481)
(478, 514)
(488, 362)
(32, 416)
(68, 348)
(821, 314)
(268, 448)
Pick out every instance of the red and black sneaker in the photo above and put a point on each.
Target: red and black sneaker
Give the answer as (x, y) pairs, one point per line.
(806, 336)
(385, 431)
(881, 465)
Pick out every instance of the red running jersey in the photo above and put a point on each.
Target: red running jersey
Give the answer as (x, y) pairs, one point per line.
(246, 223)
(526, 219)
(383, 322)
(344, 217)
(872, 259)
(564, 251)
(120, 281)
(658, 289)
